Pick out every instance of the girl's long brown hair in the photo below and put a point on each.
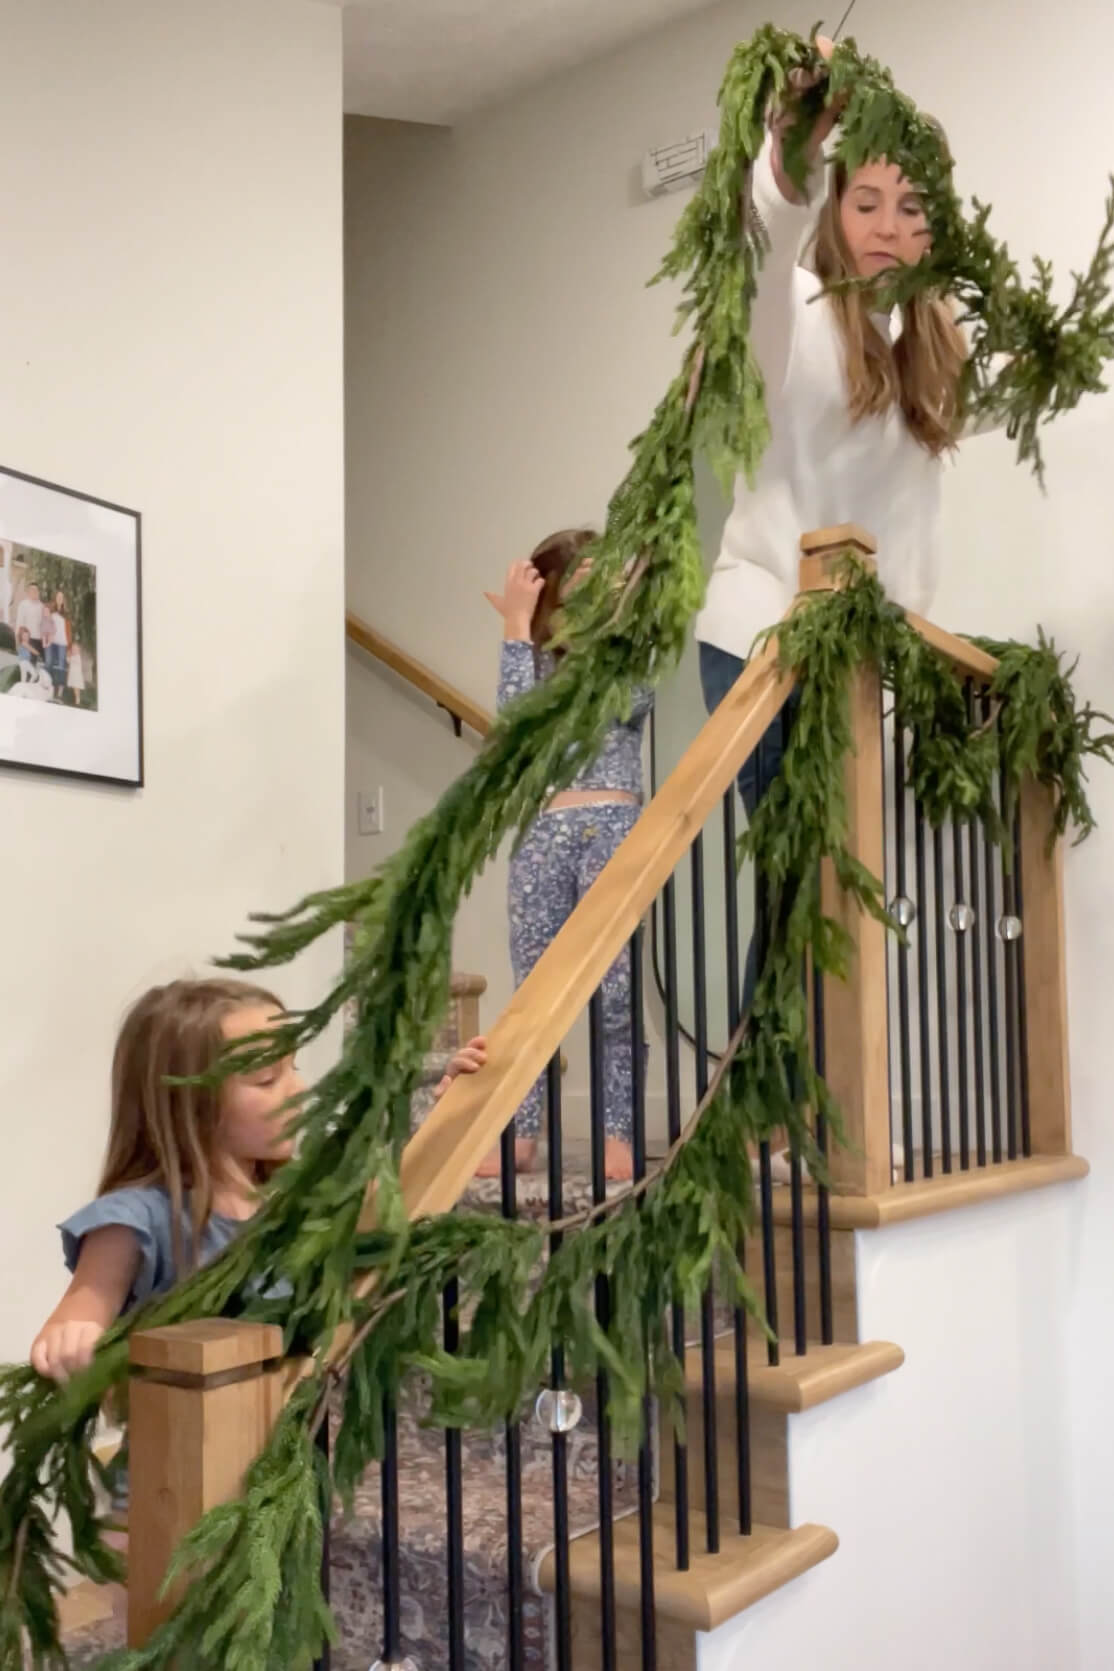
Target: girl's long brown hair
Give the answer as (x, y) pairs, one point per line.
(555, 559)
(921, 371)
(166, 1134)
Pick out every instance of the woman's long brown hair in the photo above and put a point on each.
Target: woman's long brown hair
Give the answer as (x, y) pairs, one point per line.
(555, 559)
(921, 371)
(166, 1134)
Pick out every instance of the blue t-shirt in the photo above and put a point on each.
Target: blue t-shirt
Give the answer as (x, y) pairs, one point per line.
(147, 1211)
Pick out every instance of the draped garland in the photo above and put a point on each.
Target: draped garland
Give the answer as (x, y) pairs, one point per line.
(254, 1603)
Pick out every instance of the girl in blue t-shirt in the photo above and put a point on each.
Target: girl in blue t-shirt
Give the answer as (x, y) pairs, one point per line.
(185, 1162)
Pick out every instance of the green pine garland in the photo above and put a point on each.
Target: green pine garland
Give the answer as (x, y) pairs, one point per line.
(255, 1603)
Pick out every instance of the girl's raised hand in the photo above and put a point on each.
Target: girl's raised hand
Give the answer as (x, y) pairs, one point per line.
(470, 1058)
(519, 598)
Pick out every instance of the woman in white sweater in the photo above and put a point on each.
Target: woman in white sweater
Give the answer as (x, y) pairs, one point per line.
(861, 410)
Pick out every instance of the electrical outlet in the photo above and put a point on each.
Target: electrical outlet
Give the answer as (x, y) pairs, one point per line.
(369, 811)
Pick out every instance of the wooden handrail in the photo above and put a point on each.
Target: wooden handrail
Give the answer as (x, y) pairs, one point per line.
(460, 708)
(964, 656)
(444, 1153)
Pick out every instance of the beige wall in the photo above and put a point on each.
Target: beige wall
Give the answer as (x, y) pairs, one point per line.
(171, 295)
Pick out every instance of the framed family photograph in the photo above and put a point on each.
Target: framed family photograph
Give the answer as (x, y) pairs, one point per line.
(71, 665)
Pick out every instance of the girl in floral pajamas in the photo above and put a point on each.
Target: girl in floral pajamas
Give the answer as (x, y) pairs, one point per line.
(571, 840)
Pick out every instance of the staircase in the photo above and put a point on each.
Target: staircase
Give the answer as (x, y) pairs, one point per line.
(699, 1529)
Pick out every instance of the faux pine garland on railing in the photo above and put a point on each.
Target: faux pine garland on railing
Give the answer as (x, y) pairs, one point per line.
(255, 1604)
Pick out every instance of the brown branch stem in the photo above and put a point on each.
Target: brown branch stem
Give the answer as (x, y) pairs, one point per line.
(631, 1192)
(17, 1559)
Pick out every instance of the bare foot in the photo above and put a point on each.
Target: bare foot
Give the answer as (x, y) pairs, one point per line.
(618, 1161)
(525, 1158)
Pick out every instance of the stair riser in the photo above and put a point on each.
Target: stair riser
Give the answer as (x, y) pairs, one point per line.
(769, 1465)
(844, 1303)
(675, 1643)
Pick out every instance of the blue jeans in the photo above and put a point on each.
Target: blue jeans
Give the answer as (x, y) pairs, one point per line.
(56, 664)
(719, 670)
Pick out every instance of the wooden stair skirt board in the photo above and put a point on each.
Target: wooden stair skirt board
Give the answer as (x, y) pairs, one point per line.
(714, 1589)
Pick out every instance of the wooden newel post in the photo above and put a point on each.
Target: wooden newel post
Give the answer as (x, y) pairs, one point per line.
(203, 1399)
(823, 550)
(1046, 998)
(855, 1011)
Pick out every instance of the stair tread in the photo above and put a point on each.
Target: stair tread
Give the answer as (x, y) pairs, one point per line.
(797, 1384)
(84, 1604)
(715, 1587)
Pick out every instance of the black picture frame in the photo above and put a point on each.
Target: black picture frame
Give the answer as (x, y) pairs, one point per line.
(64, 724)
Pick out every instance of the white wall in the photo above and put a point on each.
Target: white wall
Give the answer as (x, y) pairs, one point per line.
(948, 1482)
(502, 351)
(171, 296)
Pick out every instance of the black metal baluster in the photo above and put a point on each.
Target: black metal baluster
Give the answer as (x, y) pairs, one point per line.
(731, 913)
(976, 966)
(562, 1621)
(906, 1065)
(769, 1252)
(887, 838)
(608, 1648)
(516, 1652)
(962, 1056)
(392, 1600)
(942, 1039)
(796, 1195)
(734, 1016)
(1010, 948)
(673, 1128)
(823, 1210)
(921, 855)
(765, 1174)
(708, 1303)
(454, 1494)
(796, 1201)
(992, 978)
(1022, 1001)
(324, 1660)
(645, 1449)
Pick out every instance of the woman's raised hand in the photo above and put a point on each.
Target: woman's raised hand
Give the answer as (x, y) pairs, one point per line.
(785, 117)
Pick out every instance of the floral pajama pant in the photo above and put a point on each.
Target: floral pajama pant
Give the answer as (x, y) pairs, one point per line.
(559, 858)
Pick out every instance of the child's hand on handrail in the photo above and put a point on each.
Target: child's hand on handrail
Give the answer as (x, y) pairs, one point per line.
(470, 1058)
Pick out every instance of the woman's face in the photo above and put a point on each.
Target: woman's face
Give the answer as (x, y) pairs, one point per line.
(882, 219)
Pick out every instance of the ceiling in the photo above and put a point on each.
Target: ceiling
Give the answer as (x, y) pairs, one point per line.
(439, 60)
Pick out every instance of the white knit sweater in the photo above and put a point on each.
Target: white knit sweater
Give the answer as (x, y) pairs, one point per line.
(819, 469)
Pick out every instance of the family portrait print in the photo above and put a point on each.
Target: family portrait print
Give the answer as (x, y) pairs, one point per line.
(48, 627)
